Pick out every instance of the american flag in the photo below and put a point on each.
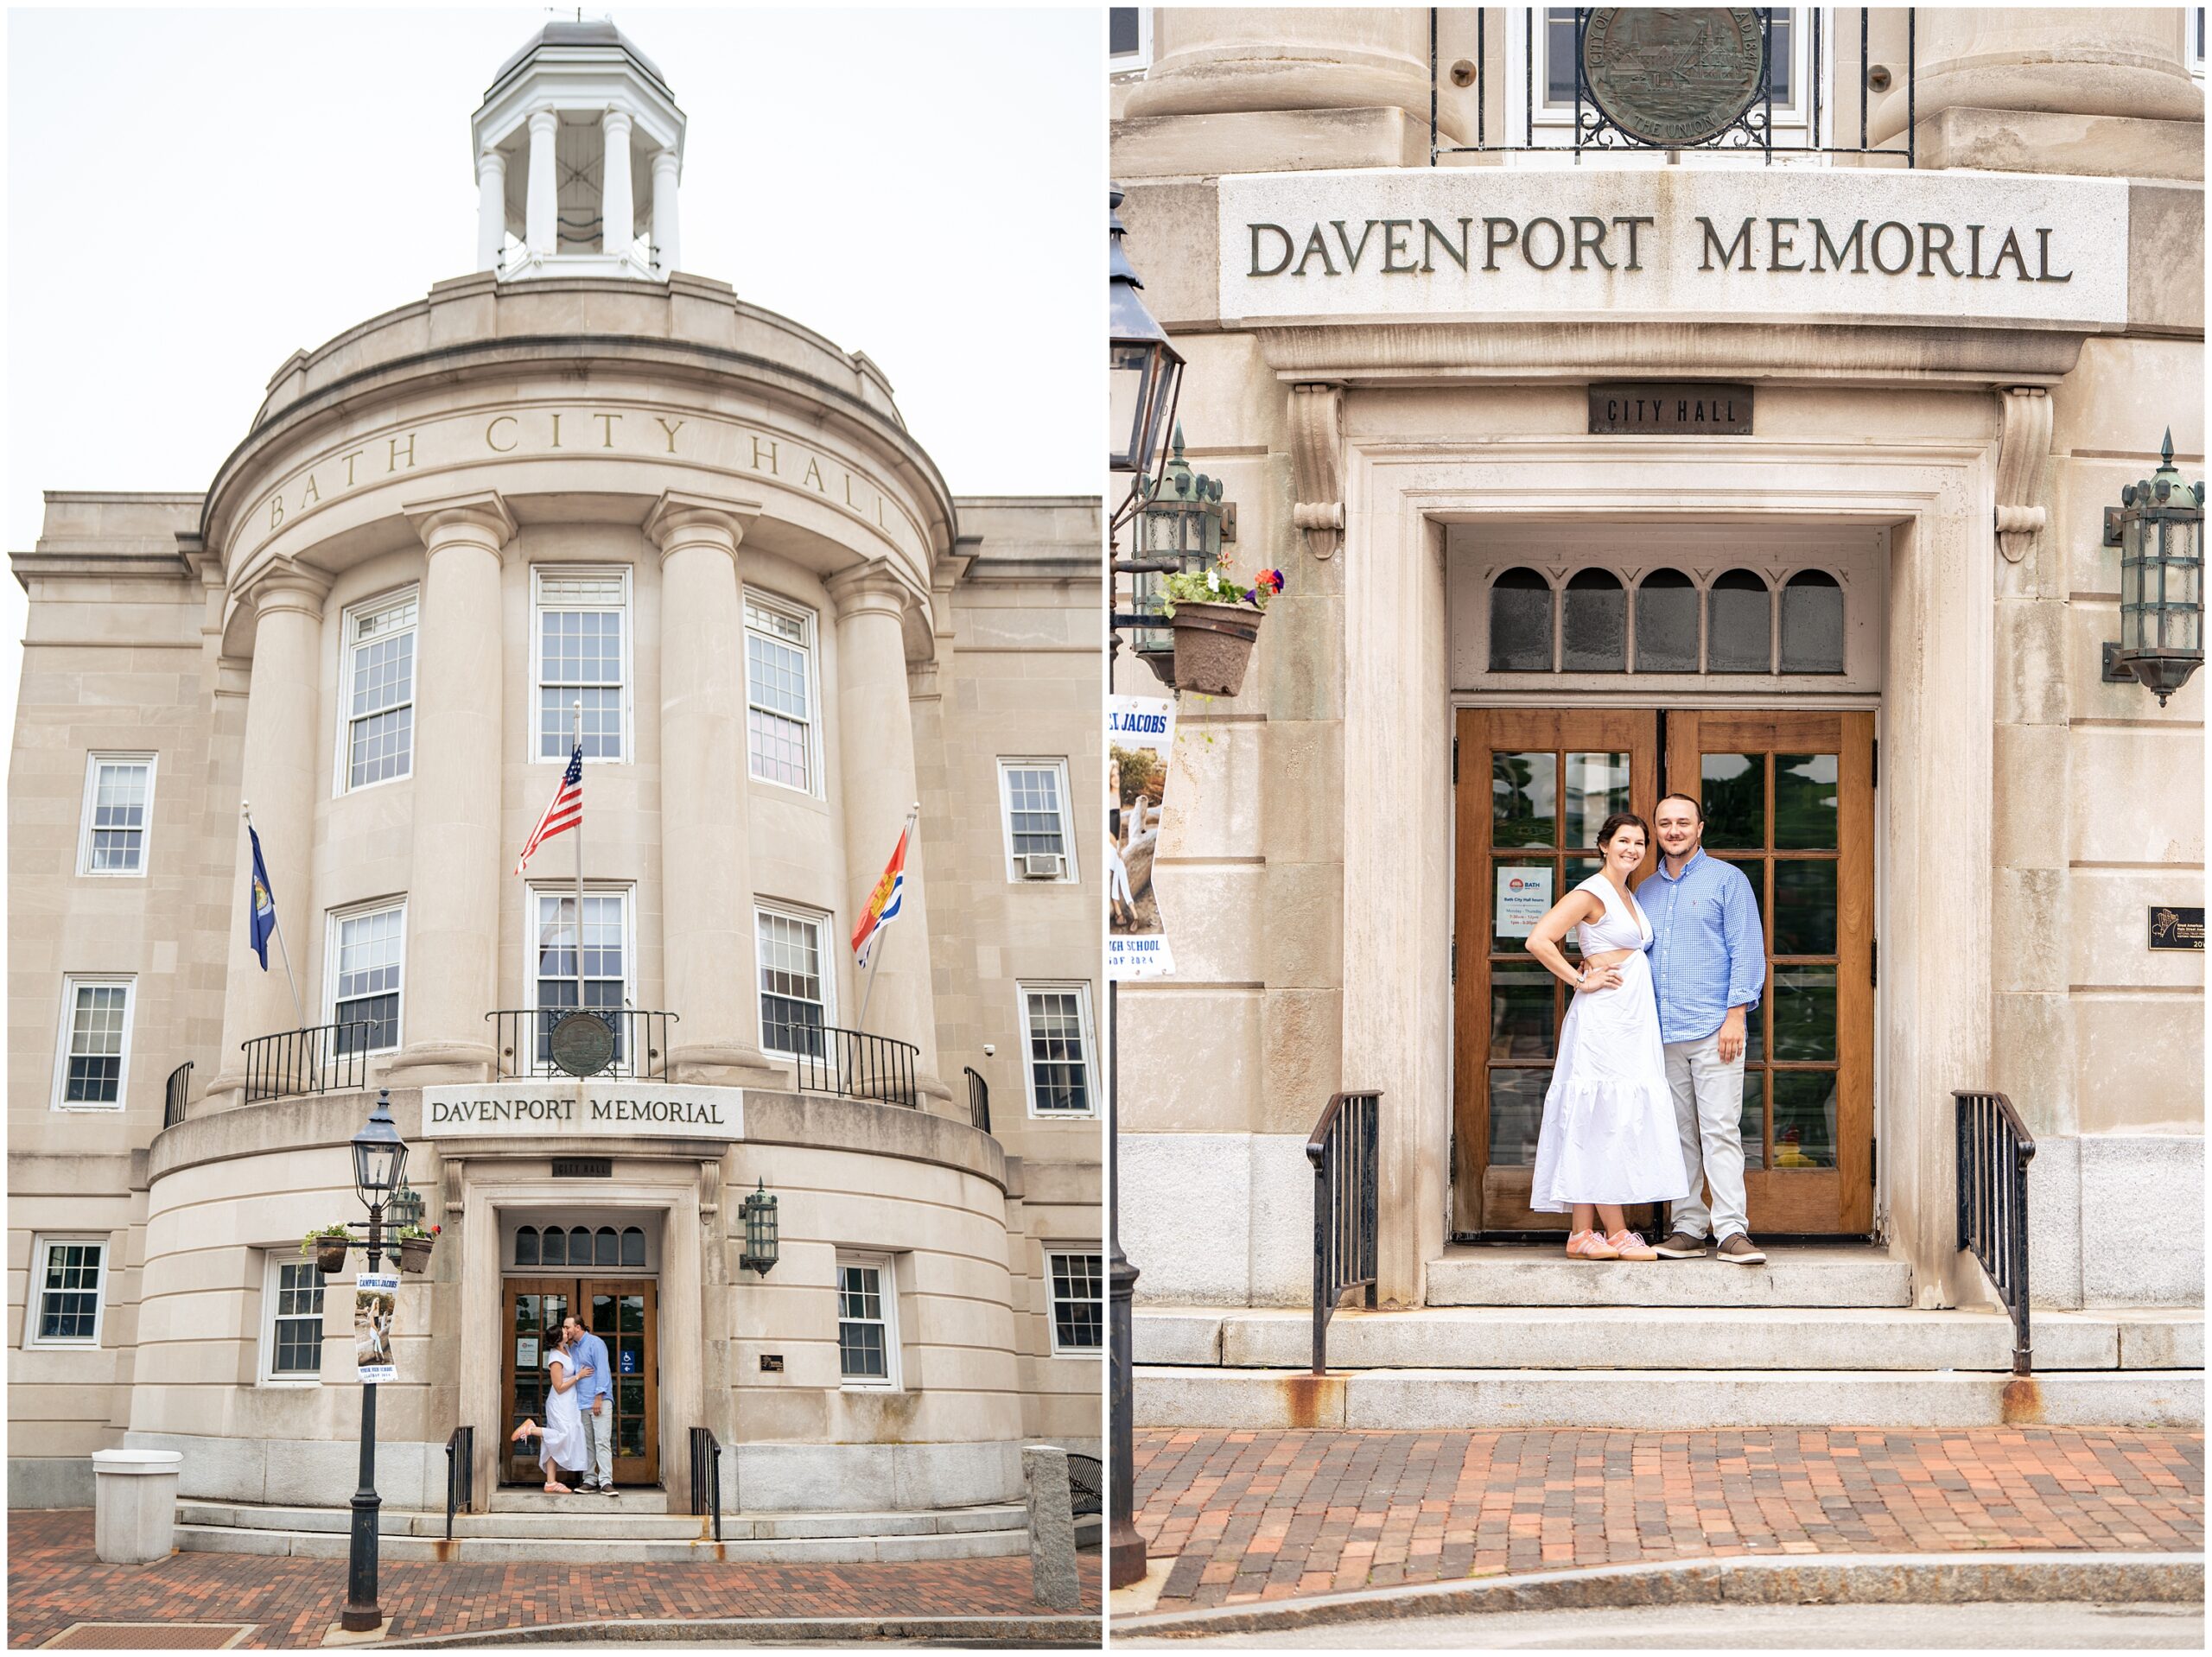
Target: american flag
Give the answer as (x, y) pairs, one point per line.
(566, 811)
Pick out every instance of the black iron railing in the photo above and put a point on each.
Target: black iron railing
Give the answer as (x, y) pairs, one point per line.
(1086, 1484)
(327, 1059)
(1341, 1151)
(1994, 1149)
(640, 1049)
(854, 1065)
(180, 1085)
(460, 1474)
(707, 1475)
(979, 1099)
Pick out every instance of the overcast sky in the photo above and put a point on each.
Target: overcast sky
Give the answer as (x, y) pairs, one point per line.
(191, 194)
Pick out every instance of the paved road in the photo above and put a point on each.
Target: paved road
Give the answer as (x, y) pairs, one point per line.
(1780, 1628)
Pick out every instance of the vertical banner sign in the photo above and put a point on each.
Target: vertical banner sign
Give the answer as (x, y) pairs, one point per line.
(375, 1299)
(1139, 737)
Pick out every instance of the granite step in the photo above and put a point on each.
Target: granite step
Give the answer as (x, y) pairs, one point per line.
(525, 1550)
(589, 1523)
(1794, 1274)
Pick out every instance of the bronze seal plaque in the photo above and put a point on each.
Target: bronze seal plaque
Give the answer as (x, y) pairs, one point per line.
(583, 1045)
(1673, 77)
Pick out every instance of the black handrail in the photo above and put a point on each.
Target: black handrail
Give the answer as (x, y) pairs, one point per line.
(327, 1059)
(851, 1064)
(1994, 1149)
(1086, 1484)
(460, 1474)
(979, 1099)
(707, 1475)
(524, 1038)
(180, 1085)
(1341, 1151)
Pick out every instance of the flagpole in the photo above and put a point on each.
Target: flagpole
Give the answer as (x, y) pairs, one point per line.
(876, 954)
(576, 712)
(276, 919)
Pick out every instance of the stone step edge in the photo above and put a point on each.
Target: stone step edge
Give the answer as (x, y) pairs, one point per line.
(1007, 1514)
(822, 1633)
(331, 1544)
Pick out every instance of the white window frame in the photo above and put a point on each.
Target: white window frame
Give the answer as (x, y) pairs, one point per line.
(334, 922)
(271, 1280)
(342, 778)
(35, 1293)
(71, 983)
(826, 926)
(623, 890)
(1139, 60)
(538, 609)
(2192, 45)
(1053, 1300)
(1023, 989)
(811, 650)
(886, 1268)
(1069, 875)
(92, 763)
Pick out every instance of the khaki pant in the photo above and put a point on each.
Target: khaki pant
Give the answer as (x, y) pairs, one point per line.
(1709, 1115)
(601, 1423)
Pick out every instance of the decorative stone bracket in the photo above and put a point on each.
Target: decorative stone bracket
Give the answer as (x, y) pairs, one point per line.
(2021, 450)
(1317, 466)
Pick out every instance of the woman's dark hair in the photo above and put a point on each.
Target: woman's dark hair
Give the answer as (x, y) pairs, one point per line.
(1619, 821)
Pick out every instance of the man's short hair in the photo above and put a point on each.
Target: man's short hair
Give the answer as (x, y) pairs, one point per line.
(1686, 799)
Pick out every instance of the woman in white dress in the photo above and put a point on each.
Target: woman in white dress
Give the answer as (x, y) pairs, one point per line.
(1608, 1136)
(566, 1441)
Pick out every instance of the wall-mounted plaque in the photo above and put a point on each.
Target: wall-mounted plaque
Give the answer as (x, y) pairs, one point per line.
(1671, 409)
(583, 1168)
(771, 1363)
(1673, 76)
(2173, 928)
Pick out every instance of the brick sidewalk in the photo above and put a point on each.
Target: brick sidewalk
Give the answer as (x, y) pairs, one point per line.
(1268, 1515)
(53, 1580)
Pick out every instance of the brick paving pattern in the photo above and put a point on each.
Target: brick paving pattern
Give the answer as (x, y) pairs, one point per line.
(55, 1579)
(1269, 1515)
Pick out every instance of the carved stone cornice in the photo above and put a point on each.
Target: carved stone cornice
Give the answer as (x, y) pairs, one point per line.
(478, 518)
(2022, 449)
(678, 520)
(285, 585)
(874, 585)
(1317, 466)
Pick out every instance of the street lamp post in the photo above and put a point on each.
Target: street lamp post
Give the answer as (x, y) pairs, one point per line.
(379, 1169)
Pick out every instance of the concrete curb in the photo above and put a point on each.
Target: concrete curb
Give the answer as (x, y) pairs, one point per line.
(1789, 1580)
(781, 1631)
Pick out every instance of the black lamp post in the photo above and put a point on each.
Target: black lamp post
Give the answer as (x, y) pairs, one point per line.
(2159, 530)
(379, 1169)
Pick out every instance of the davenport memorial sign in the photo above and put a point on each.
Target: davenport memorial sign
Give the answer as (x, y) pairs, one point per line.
(559, 1107)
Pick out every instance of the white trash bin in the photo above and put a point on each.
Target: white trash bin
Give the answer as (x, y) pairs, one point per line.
(134, 1504)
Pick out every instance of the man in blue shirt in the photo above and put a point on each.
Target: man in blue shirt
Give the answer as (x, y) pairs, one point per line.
(1708, 965)
(592, 1391)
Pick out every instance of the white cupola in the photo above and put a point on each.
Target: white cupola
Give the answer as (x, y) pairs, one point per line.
(578, 147)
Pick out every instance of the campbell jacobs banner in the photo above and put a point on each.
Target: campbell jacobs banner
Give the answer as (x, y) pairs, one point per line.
(1139, 736)
(375, 1299)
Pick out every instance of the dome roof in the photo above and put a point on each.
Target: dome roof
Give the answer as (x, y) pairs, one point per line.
(598, 31)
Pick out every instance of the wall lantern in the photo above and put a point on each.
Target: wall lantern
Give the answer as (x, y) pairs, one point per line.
(406, 1207)
(1180, 527)
(760, 1252)
(1144, 371)
(2159, 530)
(379, 1155)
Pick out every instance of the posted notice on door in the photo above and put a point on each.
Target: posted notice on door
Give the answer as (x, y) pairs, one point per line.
(1524, 895)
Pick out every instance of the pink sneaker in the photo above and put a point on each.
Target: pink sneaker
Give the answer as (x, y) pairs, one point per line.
(1588, 1245)
(1630, 1245)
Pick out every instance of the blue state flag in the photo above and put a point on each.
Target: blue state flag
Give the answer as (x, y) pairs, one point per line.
(261, 913)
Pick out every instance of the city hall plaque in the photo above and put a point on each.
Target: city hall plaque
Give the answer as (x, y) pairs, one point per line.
(1673, 76)
(2173, 928)
(1698, 410)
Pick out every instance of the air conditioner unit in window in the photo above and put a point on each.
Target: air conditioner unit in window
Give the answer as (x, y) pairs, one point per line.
(1042, 866)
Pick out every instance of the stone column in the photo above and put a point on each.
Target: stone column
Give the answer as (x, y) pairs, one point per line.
(707, 948)
(455, 865)
(541, 207)
(490, 208)
(277, 778)
(618, 218)
(664, 229)
(876, 745)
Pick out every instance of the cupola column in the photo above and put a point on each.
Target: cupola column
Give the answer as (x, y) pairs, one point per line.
(618, 218)
(490, 208)
(664, 231)
(706, 862)
(875, 744)
(541, 204)
(457, 861)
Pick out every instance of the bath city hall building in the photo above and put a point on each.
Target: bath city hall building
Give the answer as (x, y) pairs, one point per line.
(1755, 405)
(578, 490)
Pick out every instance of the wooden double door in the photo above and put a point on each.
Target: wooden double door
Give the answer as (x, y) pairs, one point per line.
(1788, 798)
(622, 1312)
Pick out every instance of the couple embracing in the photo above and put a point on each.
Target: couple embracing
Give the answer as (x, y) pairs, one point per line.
(579, 1429)
(1646, 1102)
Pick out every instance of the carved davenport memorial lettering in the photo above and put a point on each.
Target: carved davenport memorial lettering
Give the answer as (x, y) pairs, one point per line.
(561, 1108)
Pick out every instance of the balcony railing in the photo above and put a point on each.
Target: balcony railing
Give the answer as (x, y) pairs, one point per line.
(179, 1084)
(852, 1064)
(524, 1038)
(328, 1058)
(979, 1099)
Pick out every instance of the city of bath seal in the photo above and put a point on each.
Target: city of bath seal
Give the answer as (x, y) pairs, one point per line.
(1674, 76)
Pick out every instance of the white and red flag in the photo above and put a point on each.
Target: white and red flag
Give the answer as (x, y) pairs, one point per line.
(566, 812)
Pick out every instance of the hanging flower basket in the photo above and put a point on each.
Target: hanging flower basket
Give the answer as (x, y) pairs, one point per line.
(328, 1247)
(415, 1245)
(1213, 646)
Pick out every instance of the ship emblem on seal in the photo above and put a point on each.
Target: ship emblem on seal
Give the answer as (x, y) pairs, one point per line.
(1674, 77)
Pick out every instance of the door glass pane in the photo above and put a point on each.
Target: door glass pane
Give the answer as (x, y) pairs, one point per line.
(1517, 887)
(526, 1245)
(1804, 802)
(1734, 787)
(1753, 1121)
(1755, 1020)
(633, 1246)
(1593, 627)
(1804, 1013)
(1666, 623)
(1804, 908)
(1597, 787)
(1739, 624)
(633, 1314)
(1812, 623)
(630, 1398)
(629, 1435)
(1578, 870)
(556, 1246)
(1523, 790)
(1516, 1111)
(1520, 1022)
(606, 1247)
(1521, 623)
(1804, 1119)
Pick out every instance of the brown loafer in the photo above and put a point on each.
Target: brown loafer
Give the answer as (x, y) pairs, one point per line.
(1680, 1245)
(1737, 1250)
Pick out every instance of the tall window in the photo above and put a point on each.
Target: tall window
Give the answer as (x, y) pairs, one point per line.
(1033, 794)
(794, 988)
(95, 1060)
(1129, 38)
(379, 691)
(868, 1330)
(67, 1276)
(1078, 1306)
(118, 811)
(366, 950)
(779, 692)
(606, 948)
(1055, 1033)
(583, 623)
(294, 1297)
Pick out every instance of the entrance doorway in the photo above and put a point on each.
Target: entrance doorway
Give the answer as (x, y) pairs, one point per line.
(1788, 798)
(622, 1312)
